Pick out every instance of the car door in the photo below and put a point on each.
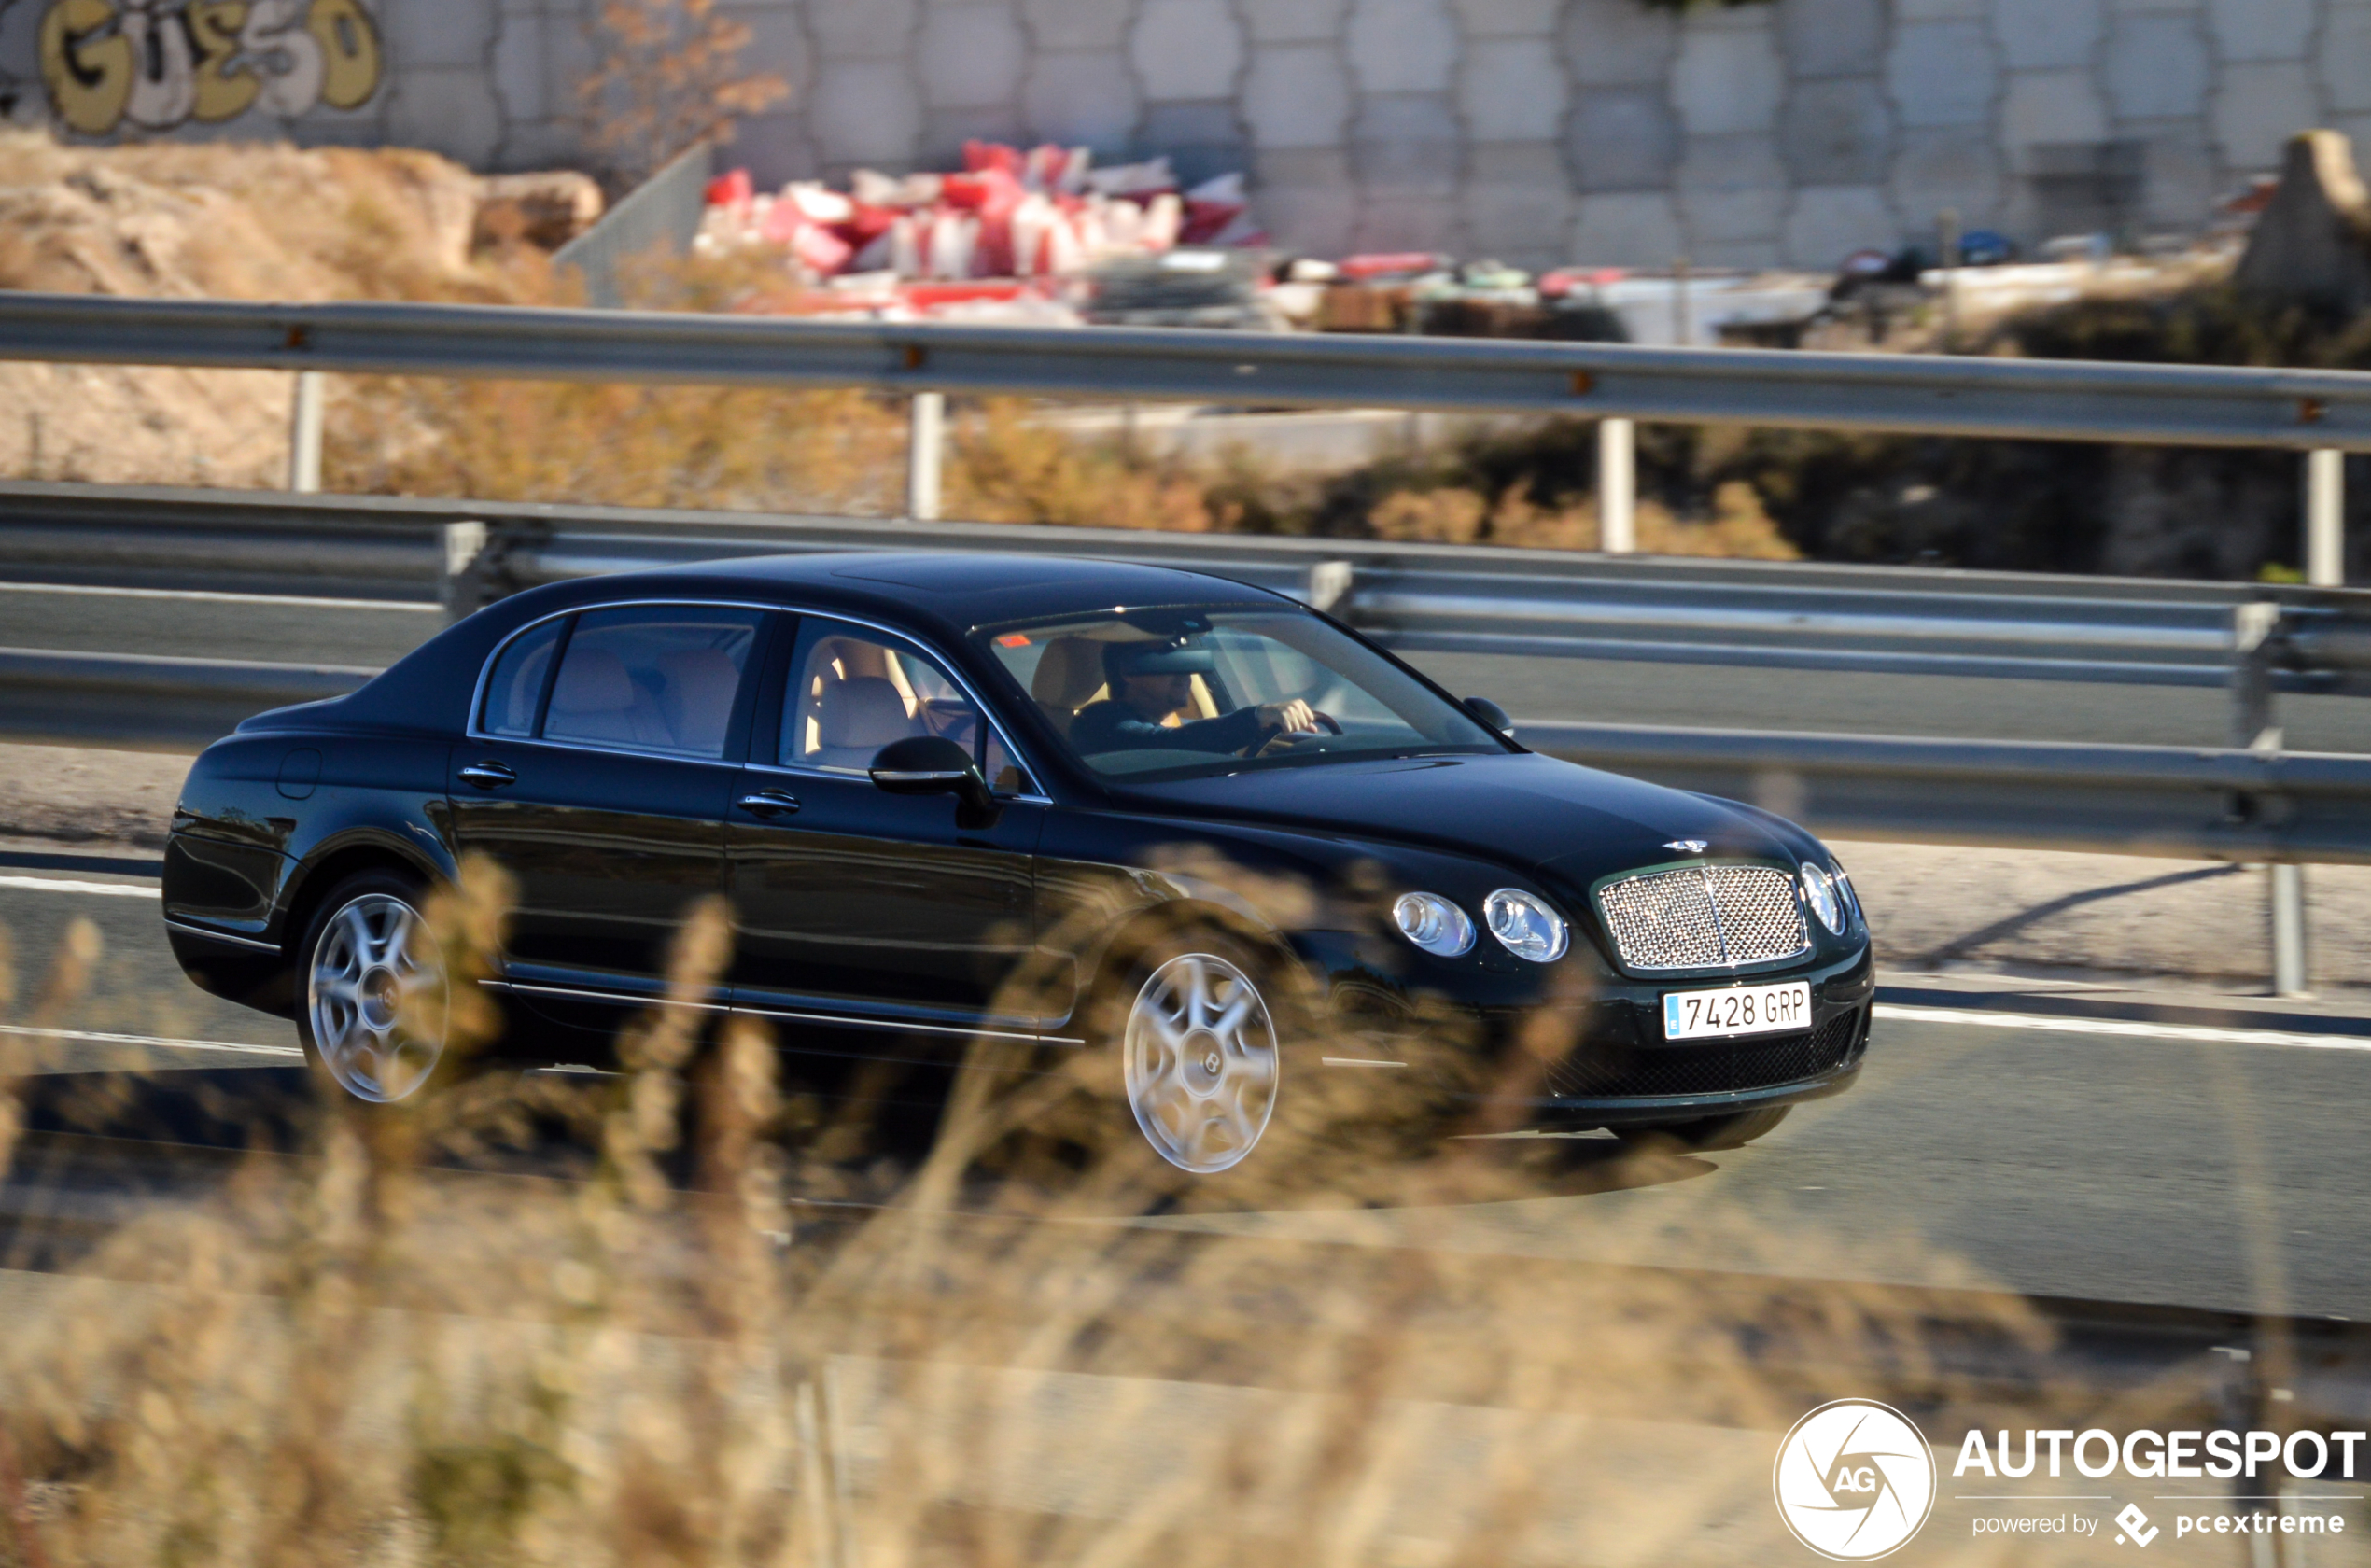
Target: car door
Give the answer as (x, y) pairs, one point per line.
(596, 774)
(856, 904)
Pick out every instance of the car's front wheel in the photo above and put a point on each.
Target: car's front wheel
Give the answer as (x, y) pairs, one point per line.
(1200, 1051)
(375, 1005)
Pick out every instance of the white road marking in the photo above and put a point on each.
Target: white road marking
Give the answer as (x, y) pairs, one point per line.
(70, 885)
(1359, 1061)
(105, 1038)
(213, 597)
(2136, 1028)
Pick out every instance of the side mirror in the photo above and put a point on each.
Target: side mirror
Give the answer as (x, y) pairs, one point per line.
(933, 765)
(1491, 714)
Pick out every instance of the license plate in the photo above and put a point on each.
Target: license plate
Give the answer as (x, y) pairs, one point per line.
(1737, 1010)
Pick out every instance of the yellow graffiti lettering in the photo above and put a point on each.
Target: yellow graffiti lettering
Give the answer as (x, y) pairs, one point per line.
(350, 45)
(223, 92)
(87, 63)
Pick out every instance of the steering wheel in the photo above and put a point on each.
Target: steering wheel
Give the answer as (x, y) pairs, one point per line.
(1288, 740)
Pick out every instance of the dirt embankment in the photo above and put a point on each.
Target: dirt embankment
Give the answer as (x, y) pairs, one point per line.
(223, 220)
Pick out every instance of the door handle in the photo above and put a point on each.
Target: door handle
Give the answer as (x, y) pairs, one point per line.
(769, 802)
(488, 775)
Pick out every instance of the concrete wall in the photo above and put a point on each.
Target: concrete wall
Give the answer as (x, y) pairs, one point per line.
(1538, 131)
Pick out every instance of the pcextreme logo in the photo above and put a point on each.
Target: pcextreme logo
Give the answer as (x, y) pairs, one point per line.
(1853, 1480)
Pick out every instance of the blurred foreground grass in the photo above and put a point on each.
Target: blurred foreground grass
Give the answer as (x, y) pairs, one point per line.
(719, 1318)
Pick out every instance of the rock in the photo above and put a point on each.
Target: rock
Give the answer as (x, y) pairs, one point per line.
(2312, 244)
(546, 209)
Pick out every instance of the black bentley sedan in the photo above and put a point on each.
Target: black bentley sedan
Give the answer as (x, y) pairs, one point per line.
(1106, 807)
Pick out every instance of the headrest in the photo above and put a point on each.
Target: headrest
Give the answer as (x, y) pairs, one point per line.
(593, 680)
(865, 710)
(1175, 656)
(698, 699)
(1068, 673)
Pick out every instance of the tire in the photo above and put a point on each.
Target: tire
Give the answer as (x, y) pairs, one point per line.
(1200, 1047)
(1732, 1132)
(365, 957)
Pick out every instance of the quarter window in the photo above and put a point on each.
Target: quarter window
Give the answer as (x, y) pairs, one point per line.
(515, 689)
(652, 678)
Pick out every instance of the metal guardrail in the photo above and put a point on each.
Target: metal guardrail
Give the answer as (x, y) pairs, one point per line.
(144, 700)
(2039, 399)
(1468, 598)
(2226, 804)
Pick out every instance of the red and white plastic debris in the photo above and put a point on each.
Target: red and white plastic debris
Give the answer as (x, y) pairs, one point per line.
(1047, 212)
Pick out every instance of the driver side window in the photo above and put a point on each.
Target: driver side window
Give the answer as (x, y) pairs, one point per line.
(853, 691)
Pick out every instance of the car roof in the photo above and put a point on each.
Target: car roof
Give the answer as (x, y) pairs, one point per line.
(957, 591)
(947, 594)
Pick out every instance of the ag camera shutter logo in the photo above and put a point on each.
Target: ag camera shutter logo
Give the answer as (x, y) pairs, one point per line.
(1853, 1480)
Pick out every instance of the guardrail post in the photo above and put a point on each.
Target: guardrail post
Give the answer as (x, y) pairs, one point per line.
(2255, 628)
(2288, 929)
(304, 434)
(925, 441)
(2325, 503)
(459, 587)
(1617, 486)
(1329, 587)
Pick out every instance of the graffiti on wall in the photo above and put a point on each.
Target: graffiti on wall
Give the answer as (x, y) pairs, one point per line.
(157, 64)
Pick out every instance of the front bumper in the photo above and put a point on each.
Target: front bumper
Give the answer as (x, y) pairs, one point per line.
(1596, 1055)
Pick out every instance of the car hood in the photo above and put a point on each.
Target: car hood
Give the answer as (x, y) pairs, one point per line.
(1534, 813)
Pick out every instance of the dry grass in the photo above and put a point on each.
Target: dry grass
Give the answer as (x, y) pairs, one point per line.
(1737, 527)
(1047, 1349)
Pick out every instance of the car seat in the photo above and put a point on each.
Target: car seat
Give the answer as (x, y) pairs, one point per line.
(697, 701)
(1069, 677)
(854, 718)
(596, 699)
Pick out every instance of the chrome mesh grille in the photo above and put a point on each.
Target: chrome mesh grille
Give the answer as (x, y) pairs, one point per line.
(1705, 917)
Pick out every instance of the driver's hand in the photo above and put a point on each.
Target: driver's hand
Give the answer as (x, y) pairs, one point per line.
(1294, 718)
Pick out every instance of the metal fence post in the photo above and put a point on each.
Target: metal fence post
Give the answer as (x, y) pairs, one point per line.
(2288, 929)
(2255, 629)
(304, 434)
(924, 442)
(459, 588)
(1617, 486)
(2325, 503)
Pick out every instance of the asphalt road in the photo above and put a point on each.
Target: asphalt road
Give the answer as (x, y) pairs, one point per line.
(375, 633)
(2203, 1172)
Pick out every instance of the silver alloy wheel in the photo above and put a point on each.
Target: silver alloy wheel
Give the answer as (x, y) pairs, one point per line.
(1201, 1062)
(372, 955)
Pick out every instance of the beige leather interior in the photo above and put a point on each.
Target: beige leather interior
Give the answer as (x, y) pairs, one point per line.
(1070, 676)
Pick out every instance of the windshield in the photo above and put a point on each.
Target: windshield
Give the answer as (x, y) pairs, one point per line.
(1172, 692)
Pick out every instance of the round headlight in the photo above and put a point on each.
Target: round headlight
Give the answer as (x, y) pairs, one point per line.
(1852, 897)
(1820, 891)
(1526, 927)
(1433, 923)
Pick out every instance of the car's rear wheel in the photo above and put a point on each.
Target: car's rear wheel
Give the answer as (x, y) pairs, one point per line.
(375, 1005)
(1200, 1051)
(1731, 1131)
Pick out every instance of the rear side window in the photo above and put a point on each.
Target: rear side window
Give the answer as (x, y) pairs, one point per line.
(515, 691)
(652, 678)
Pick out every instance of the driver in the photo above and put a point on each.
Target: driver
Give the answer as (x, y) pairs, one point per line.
(1151, 680)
